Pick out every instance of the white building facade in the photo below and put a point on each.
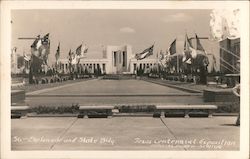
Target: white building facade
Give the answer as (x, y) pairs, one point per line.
(115, 60)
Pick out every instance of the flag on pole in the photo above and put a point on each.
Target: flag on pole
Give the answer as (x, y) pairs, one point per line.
(146, 53)
(189, 48)
(85, 49)
(37, 43)
(57, 52)
(36, 55)
(170, 51)
(199, 48)
(45, 39)
(79, 53)
(70, 56)
(187, 51)
(172, 48)
(187, 43)
(198, 44)
(201, 58)
(45, 48)
(79, 50)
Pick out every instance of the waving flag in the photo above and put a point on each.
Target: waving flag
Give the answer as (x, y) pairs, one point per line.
(187, 51)
(79, 50)
(45, 48)
(45, 39)
(198, 44)
(41, 48)
(70, 56)
(85, 49)
(172, 48)
(201, 59)
(37, 43)
(187, 43)
(73, 58)
(146, 53)
(57, 52)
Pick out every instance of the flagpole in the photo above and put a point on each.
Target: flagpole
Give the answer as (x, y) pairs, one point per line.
(177, 63)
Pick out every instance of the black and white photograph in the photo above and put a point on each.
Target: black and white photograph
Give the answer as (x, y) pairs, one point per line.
(146, 79)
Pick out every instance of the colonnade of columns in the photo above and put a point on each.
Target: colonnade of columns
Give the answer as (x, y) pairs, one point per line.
(65, 67)
(144, 65)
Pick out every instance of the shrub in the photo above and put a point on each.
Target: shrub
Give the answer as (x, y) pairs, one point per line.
(233, 107)
(135, 108)
(56, 110)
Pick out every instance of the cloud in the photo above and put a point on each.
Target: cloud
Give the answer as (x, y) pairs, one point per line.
(178, 17)
(127, 30)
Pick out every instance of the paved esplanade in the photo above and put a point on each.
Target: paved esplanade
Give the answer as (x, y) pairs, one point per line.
(110, 87)
(120, 133)
(125, 133)
(111, 92)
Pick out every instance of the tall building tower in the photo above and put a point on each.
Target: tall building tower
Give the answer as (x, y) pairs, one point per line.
(229, 55)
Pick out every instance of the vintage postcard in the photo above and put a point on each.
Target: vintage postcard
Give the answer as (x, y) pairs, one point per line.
(124, 79)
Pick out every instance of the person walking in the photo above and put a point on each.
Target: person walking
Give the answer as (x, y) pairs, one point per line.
(236, 91)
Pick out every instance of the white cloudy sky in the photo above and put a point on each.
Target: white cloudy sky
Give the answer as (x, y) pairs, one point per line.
(139, 28)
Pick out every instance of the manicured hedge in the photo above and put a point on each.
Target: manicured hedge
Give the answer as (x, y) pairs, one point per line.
(56, 110)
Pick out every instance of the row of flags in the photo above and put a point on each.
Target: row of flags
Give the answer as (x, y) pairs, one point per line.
(165, 59)
(74, 58)
(195, 56)
(190, 54)
(40, 49)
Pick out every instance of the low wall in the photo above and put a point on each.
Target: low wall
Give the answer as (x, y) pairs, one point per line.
(219, 96)
(17, 96)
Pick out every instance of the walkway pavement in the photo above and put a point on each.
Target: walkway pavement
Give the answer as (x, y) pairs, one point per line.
(35, 87)
(188, 85)
(125, 133)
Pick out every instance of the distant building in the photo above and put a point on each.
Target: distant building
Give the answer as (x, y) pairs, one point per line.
(19, 63)
(115, 60)
(229, 51)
